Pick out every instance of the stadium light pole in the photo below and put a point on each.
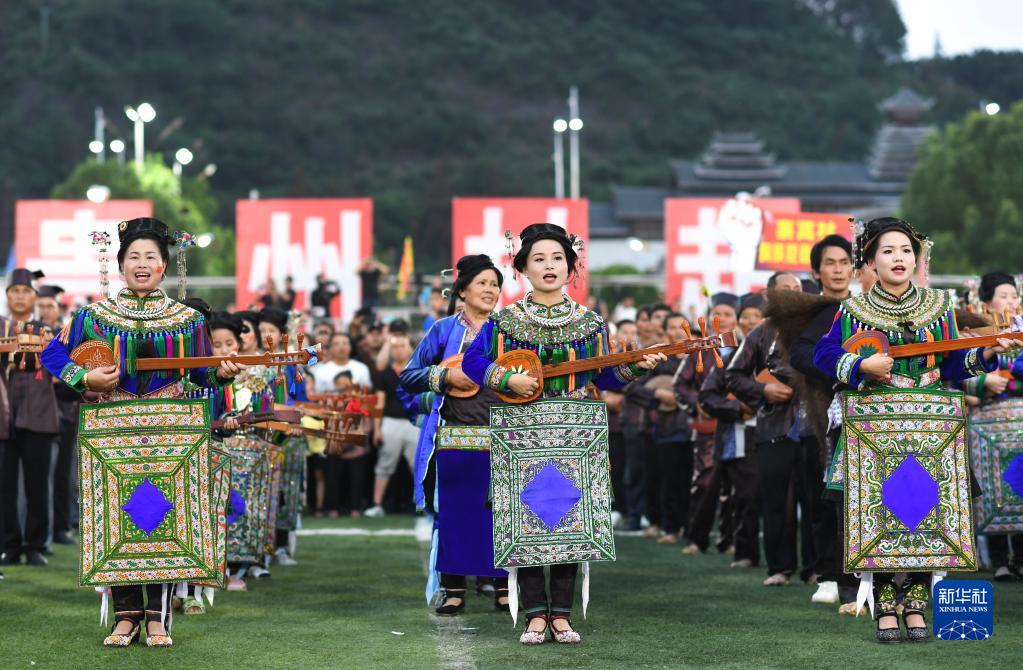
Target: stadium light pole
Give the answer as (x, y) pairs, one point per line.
(140, 116)
(575, 124)
(182, 157)
(560, 126)
(117, 146)
(98, 139)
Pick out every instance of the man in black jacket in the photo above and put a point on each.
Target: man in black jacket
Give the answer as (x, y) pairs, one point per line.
(760, 376)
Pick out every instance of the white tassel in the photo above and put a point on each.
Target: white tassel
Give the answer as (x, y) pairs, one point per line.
(209, 591)
(586, 586)
(513, 595)
(104, 605)
(292, 543)
(181, 590)
(163, 607)
(298, 522)
(936, 577)
(865, 594)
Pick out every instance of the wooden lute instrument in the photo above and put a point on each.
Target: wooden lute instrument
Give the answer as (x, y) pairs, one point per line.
(527, 362)
(93, 354)
(869, 342)
(289, 416)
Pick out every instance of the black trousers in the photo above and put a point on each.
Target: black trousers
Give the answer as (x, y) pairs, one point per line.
(635, 474)
(788, 467)
(28, 452)
(346, 483)
(675, 463)
(744, 500)
(705, 491)
(457, 582)
(129, 599)
(998, 547)
(64, 508)
(652, 480)
(534, 592)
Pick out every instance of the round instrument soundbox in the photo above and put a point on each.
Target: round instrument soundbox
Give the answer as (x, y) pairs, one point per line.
(93, 354)
(455, 363)
(526, 362)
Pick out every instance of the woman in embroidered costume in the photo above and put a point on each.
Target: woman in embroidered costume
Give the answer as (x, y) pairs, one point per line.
(906, 314)
(551, 324)
(140, 321)
(998, 295)
(458, 461)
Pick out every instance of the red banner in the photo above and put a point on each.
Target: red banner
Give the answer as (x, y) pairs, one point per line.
(788, 237)
(478, 226)
(53, 236)
(706, 248)
(300, 239)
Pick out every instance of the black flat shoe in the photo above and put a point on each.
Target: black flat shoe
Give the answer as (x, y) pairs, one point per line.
(10, 559)
(498, 605)
(36, 559)
(446, 608)
(918, 634)
(888, 635)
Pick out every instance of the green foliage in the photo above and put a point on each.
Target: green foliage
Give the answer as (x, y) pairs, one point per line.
(183, 204)
(967, 192)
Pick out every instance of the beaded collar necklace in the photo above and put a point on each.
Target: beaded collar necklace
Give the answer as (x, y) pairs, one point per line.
(553, 316)
(895, 306)
(126, 297)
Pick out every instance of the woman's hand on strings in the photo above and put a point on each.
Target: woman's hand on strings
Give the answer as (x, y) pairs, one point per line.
(229, 369)
(103, 379)
(650, 361)
(522, 384)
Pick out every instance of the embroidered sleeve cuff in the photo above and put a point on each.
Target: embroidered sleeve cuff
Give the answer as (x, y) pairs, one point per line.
(436, 378)
(847, 364)
(975, 364)
(74, 376)
(425, 402)
(628, 372)
(495, 376)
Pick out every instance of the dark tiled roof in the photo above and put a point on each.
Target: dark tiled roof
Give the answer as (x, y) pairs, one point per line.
(802, 176)
(639, 202)
(603, 222)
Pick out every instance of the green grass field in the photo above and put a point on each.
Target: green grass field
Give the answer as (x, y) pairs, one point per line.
(357, 602)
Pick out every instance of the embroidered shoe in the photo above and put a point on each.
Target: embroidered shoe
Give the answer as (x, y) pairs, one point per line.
(154, 639)
(566, 636)
(886, 635)
(123, 640)
(534, 637)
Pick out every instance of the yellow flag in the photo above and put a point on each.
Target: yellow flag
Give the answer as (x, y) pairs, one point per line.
(406, 269)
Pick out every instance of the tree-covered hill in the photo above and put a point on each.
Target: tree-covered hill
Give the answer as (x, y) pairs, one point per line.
(411, 102)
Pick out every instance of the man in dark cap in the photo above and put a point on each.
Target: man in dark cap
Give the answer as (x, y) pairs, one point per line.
(64, 506)
(32, 427)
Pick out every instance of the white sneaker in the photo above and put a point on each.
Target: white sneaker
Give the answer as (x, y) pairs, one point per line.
(827, 593)
(375, 512)
(259, 572)
(616, 519)
(281, 557)
(424, 528)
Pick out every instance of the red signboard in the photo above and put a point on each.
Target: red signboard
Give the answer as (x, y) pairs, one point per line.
(788, 237)
(704, 250)
(300, 239)
(478, 226)
(53, 236)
